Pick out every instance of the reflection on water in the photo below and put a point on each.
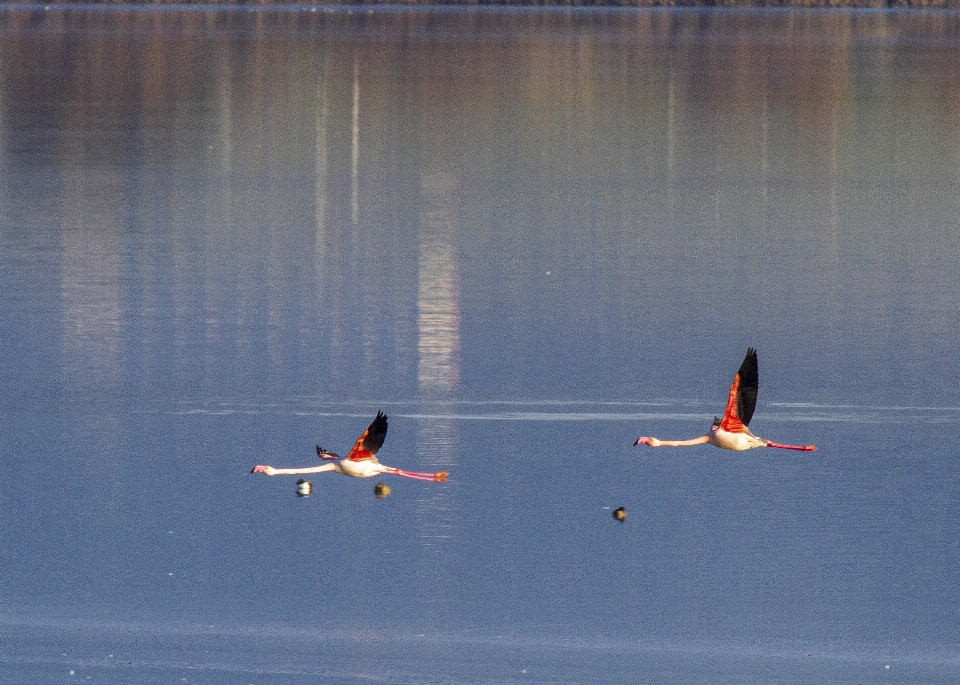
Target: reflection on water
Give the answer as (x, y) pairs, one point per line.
(699, 164)
(458, 411)
(529, 237)
(438, 301)
(355, 148)
(438, 325)
(90, 293)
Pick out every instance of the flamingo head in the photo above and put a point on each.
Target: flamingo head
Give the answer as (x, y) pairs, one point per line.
(643, 440)
(262, 469)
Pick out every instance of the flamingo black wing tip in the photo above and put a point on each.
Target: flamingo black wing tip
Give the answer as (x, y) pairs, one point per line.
(748, 382)
(376, 433)
(326, 454)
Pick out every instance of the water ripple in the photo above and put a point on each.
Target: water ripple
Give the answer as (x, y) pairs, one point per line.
(569, 410)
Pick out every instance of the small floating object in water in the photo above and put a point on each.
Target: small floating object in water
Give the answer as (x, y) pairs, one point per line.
(620, 514)
(381, 490)
(304, 487)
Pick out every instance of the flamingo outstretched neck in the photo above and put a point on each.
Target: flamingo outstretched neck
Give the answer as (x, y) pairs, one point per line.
(361, 460)
(731, 432)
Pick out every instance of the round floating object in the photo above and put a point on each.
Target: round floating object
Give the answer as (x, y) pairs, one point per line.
(304, 487)
(381, 490)
(620, 514)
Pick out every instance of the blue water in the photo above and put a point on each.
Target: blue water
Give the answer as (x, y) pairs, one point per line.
(529, 237)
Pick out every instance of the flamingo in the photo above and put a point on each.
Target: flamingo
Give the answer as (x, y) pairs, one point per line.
(731, 432)
(360, 462)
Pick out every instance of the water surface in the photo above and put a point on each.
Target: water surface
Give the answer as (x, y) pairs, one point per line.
(529, 237)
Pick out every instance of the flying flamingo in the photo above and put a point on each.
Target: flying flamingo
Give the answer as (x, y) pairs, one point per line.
(731, 432)
(360, 462)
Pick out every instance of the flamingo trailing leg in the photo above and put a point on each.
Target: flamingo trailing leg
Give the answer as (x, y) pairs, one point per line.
(731, 432)
(360, 462)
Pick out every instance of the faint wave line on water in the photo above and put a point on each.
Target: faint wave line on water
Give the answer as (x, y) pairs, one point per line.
(252, 648)
(568, 410)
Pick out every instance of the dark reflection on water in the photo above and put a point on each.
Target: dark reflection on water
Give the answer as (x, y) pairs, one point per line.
(528, 237)
(639, 180)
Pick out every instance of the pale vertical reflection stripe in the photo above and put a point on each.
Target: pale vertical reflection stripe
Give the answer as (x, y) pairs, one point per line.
(90, 296)
(833, 309)
(212, 291)
(438, 301)
(328, 304)
(438, 323)
(671, 141)
(3, 150)
(355, 147)
(90, 286)
(321, 166)
(765, 143)
(762, 246)
(671, 124)
(321, 169)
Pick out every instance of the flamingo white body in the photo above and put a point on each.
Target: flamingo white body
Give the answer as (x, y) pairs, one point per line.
(731, 431)
(361, 460)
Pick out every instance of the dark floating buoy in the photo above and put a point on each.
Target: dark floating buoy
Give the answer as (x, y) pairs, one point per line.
(620, 514)
(381, 490)
(304, 487)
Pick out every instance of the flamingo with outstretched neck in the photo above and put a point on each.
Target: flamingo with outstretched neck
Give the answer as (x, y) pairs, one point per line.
(360, 462)
(731, 432)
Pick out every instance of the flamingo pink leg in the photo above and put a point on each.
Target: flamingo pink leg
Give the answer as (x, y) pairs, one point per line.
(440, 477)
(802, 448)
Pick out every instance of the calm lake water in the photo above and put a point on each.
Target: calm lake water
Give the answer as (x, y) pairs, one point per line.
(529, 237)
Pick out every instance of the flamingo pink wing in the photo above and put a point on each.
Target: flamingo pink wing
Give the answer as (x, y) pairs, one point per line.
(370, 441)
(730, 421)
(743, 395)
